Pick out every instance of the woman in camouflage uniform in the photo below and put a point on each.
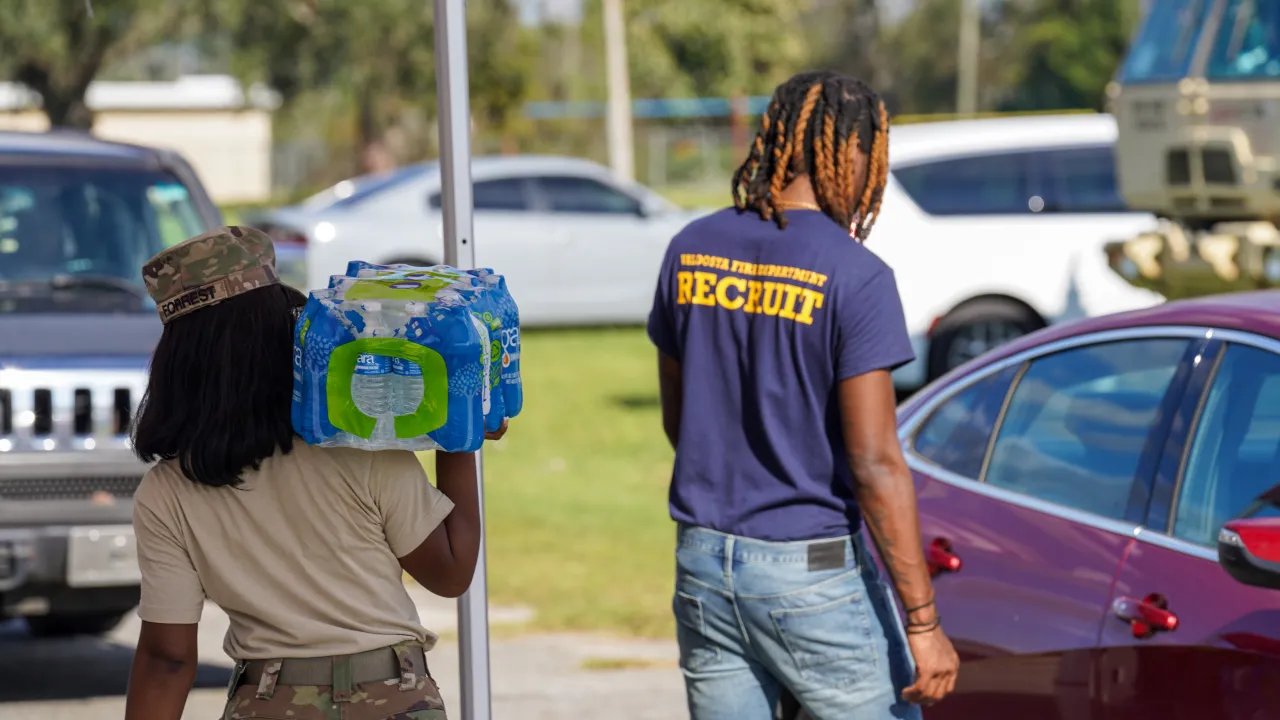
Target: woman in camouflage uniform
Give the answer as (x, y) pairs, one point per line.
(303, 547)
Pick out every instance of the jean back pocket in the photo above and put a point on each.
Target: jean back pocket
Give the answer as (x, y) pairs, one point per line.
(831, 643)
(697, 651)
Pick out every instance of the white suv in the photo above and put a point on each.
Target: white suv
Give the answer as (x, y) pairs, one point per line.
(996, 228)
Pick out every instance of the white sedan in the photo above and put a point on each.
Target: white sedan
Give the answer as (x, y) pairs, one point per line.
(995, 228)
(576, 245)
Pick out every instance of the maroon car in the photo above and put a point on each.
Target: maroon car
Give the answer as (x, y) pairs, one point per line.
(1073, 488)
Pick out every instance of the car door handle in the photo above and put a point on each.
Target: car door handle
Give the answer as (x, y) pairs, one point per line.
(938, 554)
(1147, 616)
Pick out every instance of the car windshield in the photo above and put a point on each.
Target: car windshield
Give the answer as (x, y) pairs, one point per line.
(1164, 45)
(356, 190)
(73, 239)
(1247, 44)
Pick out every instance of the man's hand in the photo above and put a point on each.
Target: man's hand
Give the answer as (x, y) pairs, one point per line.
(936, 667)
(497, 434)
(887, 499)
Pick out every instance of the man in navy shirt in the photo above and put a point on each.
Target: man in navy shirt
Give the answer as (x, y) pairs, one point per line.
(777, 331)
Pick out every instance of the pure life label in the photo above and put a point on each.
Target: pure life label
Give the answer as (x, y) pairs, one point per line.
(370, 364)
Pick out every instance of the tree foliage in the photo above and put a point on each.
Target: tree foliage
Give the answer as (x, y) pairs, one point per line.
(1068, 50)
(57, 47)
(377, 58)
(1034, 54)
(723, 48)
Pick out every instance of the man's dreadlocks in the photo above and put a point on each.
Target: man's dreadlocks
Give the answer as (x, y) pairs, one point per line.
(818, 123)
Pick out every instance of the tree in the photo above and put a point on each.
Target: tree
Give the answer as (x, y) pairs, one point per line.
(708, 48)
(846, 36)
(57, 47)
(377, 58)
(716, 49)
(1068, 51)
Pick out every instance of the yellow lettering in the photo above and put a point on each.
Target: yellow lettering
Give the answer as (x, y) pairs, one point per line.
(822, 279)
(812, 299)
(787, 313)
(703, 282)
(772, 298)
(754, 288)
(684, 287)
(722, 292)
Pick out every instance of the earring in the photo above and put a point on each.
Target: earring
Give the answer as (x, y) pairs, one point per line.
(856, 225)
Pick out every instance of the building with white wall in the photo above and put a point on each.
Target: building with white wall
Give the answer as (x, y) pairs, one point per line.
(223, 131)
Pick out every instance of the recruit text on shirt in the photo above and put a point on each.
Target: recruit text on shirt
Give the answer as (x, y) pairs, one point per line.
(767, 297)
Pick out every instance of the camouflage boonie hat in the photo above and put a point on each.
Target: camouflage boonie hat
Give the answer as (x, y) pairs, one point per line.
(208, 269)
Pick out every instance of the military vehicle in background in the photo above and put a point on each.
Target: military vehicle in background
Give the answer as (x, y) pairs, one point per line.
(1197, 103)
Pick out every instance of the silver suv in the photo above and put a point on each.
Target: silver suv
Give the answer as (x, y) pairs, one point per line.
(78, 217)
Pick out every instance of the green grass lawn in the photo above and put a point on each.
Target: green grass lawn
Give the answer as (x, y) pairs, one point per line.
(576, 493)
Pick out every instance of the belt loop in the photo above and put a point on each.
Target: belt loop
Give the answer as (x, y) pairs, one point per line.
(408, 673)
(267, 684)
(728, 555)
(237, 676)
(343, 687)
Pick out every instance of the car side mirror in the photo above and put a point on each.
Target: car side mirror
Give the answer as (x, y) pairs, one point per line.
(1249, 550)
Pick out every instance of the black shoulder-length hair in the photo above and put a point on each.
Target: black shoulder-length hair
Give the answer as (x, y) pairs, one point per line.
(221, 382)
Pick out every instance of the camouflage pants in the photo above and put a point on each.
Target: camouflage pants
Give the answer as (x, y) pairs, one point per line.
(409, 697)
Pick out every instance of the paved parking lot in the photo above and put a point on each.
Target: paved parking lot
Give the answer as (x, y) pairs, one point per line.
(542, 676)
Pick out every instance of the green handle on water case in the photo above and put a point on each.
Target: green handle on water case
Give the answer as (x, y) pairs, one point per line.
(432, 411)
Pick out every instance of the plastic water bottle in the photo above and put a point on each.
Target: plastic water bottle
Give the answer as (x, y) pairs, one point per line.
(371, 386)
(407, 375)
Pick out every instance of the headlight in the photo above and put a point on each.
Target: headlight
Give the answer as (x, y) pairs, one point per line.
(324, 231)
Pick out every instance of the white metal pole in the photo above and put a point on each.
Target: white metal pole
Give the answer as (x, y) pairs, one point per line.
(621, 144)
(970, 42)
(459, 251)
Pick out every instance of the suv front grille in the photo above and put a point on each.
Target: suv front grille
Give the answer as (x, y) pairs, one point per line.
(68, 488)
(43, 411)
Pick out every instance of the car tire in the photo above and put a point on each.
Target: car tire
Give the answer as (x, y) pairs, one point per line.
(56, 626)
(975, 328)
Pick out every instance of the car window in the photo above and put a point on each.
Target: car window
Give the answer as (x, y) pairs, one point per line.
(1077, 423)
(506, 195)
(1247, 44)
(176, 215)
(1166, 42)
(1234, 455)
(956, 434)
(60, 220)
(977, 185)
(354, 191)
(584, 195)
(1080, 180)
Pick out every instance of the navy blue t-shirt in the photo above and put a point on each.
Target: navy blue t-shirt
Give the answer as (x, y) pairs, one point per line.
(765, 324)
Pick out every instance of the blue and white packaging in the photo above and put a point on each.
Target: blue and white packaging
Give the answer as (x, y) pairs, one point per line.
(425, 357)
(484, 291)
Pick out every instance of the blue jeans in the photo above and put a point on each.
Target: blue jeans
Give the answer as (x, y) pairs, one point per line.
(752, 618)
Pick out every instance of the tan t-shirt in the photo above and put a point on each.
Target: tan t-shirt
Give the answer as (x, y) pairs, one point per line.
(302, 556)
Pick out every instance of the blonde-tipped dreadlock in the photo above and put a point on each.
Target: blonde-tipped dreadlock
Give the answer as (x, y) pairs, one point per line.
(829, 127)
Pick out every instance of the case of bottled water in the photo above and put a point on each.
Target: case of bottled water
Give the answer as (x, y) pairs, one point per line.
(406, 358)
(485, 291)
